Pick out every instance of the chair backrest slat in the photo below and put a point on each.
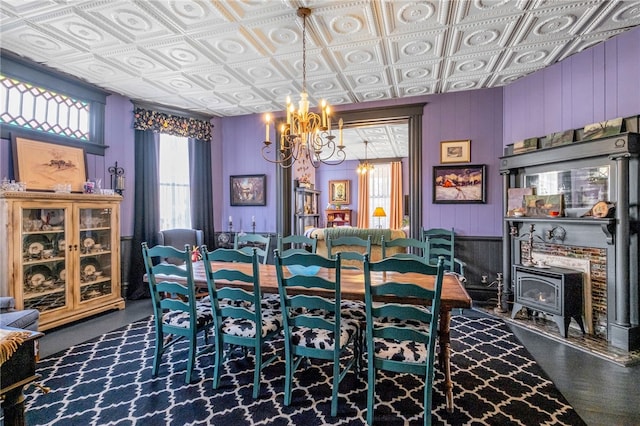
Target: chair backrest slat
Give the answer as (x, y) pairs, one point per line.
(240, 243)
(440, 243)
(296, 244)
(334, 247)
(166, 293)
(290, 302)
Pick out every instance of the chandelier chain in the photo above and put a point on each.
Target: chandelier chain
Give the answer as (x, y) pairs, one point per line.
(304, 53)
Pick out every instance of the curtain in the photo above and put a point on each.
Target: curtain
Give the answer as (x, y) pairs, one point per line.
(395, 214)
(363, 200)
(146, 209)
(201, 190)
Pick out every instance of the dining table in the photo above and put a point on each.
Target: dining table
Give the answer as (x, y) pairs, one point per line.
(454, 296)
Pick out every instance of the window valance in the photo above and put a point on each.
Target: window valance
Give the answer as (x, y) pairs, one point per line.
(161, 122)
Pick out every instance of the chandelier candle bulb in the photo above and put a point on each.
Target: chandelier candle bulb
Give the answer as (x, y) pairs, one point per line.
(266, 134)
(324, 113)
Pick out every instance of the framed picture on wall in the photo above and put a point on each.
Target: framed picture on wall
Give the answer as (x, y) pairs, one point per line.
(459, 184)
(42, 165)
(248, 190)
(339, 191)
(455, 151)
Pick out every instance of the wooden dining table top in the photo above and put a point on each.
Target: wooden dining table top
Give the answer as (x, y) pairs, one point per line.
(454, 295)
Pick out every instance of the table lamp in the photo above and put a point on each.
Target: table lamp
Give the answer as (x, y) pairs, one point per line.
(379, 212)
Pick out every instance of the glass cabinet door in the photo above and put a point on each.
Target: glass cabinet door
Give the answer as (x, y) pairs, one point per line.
(45, 259)
(95, 244)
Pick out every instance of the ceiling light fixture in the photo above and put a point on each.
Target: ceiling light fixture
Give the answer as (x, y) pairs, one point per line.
(305, 133)
(365, 167)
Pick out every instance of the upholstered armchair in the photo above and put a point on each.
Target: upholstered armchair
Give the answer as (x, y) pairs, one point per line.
(177, 238)
(26, 319)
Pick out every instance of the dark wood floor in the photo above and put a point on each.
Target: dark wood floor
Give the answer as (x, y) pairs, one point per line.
(603, 393)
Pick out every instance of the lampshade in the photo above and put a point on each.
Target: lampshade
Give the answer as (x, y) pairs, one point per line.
(379, 212)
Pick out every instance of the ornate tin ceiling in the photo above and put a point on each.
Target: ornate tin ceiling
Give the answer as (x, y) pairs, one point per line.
(225, 58)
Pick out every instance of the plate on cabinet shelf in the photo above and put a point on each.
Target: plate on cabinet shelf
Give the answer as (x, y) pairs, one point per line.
(88, 268)
(37, 275)
(35, 244)
(88, 242)
(62, 273)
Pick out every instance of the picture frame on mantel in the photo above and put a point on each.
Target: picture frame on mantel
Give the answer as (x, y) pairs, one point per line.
(339, 192)
(455, 151)
(248, 190)
(459, 184)
(42, 164)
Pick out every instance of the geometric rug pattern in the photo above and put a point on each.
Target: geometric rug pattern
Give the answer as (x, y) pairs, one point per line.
(107, 381)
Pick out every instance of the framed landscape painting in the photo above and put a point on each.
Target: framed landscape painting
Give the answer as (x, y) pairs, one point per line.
(459, 184)
(42, 164)
(248, 190)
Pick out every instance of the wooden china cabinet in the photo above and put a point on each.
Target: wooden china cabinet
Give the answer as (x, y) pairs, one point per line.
(62, 254)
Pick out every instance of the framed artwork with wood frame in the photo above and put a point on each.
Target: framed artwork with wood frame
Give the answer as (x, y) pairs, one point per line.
(455, 151)
(339, 192)
(248, 190)
(459, 184)
(41, 164)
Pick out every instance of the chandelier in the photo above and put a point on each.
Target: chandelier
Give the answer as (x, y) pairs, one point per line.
(305, 133)
(365, 167)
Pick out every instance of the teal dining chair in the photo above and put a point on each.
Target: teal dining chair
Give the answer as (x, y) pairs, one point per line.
(401, 337)
(247, 242)
(296, 244)
(241, 319)
(177, 313)
(313, 324)
(415, 249)
(357, 257)
(441, 243)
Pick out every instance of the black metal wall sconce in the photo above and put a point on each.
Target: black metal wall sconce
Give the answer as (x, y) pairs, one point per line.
(117, 178)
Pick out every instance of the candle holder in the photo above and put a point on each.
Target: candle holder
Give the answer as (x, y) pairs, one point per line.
(230, 226)
(253, 226)
(117, 178)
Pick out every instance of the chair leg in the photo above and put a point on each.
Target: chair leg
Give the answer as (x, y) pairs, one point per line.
(257, 370)
(336, 385)
(157, 353)
(192, 357)
(371, 384)
(219, 358)
(288, 376)
(428, 394)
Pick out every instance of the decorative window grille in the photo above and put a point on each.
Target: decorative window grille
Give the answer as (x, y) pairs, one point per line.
(34, 108)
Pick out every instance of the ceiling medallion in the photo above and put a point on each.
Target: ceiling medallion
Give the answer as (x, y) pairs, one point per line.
(305, 134)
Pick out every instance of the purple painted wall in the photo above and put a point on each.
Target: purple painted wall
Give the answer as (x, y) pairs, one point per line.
(578, 91)
(475, 115)
(597, 84)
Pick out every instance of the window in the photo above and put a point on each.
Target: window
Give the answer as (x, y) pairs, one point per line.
(380, 193)
(37, 100)
(34, 108)
(175, 198)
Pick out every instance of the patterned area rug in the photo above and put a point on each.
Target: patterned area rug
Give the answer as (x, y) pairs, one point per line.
(108, 381)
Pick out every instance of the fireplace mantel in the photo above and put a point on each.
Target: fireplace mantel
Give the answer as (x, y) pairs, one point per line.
(617, 237)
